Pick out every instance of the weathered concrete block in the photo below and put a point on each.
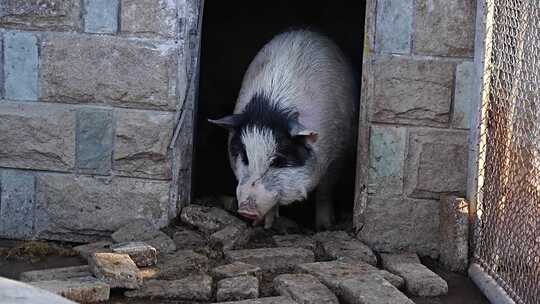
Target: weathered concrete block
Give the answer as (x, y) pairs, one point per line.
(20, 66)
(273, 259)
(454, 233)
(101, 16)
(237, 288)
(87, 250)
(394, 26)
(387, 158)
(410, 91)
(236, 269)
(180, 264)
(81, 290)
(189, 239)
(78, 208)
(371, 289)
(419, 280)
(230, 237)
(340, 246)
(295, 240)
(436, 163)
(208, 219)
(304, 288)
(15, 292)
(141, 145)
(454, 21)
(117, 270)
(37, 136)
(141, 253)
(61, 274)
(192, 288)
(149, 18)
(396, 224)
(105, 69)
(41, 15)
(270, 300)
(146, 231)
(463, 95)
(95, 137)
(17, 198)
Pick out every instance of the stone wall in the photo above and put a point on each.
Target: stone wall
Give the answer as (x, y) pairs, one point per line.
(416, 99)
(91, 92)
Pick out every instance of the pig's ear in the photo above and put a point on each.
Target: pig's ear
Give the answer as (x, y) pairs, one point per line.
(227, 122)
(296, 129)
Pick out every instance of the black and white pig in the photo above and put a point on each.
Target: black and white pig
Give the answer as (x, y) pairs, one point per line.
(292, 126)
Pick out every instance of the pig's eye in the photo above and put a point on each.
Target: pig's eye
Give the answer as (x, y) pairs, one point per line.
(279, 162)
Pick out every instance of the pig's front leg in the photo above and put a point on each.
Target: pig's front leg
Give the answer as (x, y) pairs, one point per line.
(324, 207)
(270, 217)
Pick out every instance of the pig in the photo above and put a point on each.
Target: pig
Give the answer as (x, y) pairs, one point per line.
(292, 127)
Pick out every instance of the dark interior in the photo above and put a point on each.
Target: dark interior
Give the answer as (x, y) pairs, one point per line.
(232, 34)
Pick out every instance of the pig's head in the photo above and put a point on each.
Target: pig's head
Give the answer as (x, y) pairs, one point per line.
(271, 155)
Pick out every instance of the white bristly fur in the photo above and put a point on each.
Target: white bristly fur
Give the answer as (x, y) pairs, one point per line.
(262, 145)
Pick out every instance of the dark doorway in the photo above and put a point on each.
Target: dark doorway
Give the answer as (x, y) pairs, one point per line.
(233, 32)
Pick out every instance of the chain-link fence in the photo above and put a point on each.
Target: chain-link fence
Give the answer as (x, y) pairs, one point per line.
(507, 231)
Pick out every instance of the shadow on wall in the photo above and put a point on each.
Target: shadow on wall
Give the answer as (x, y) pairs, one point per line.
(233, 33)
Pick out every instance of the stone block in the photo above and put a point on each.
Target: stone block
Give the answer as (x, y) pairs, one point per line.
(20, 66)
(304, 288)
(396, 224)
(463, 95)
(271, 259)
(388, 146)
(208, 219)
(371, 289)
(237, 288)
(454, 233)
(141, 145)
(181, 263)
(189, 239)
(86, 251)
(192, 288)
(94, 140)
(15, 292)
(41, 15)
(101, 16)
(145, 231)
(1, 62)
(295, 240)
(236, 269)
(106, 69)
(394, 26)
(412, 91)
(60, 274)
(141, 253)
(270, 300)
(81, 290)
(340, 246)
(454, 22)
(79, 208)
(149, 18)
(393, 279)
(436, 163)
(419, 280)
(117, 270)
(230, 237)
(37, 136)
(17, 198)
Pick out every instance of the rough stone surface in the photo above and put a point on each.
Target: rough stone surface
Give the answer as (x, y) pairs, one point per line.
(411, 91)
(145, 231)
(117, 270)
(463, 95)
(208, 219)
(270, 300)
(454, 233)
(21, 66)
(41, 14)
(371, 289)
(230, 237)
(454, 21)
(237, 288)
(419, 280)
(236, 269)
(396, 224)
(149, 18)
(437, 163)
(141, 253)
(37, 136)
(393, 279)
(394, 26)
(78, 208)
(273, 259)
(304, 288)
(192, 288)
(141, 145)
(15, 292)
(189, 239)
(94, 140)
(387, 155)
(295, 240)
(101, 16)
(61, 274)
(137, 74)
(87, 250)
(340, 246)
(180, 263)
(17, 201)
(81, 290)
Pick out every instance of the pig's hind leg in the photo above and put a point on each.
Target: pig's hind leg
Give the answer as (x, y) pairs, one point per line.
(324, 200)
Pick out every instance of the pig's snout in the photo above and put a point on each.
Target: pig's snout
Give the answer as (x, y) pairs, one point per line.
(248, 209)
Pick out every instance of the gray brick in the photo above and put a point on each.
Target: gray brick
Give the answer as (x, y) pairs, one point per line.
(387, 156)
(463, 95)
(17, 204)
(149, 18)
(394, 26)
(21, 66)
(94, 140)
(101, 16)
(40, 14)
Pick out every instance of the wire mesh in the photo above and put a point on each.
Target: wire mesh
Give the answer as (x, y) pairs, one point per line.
(507, 231)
